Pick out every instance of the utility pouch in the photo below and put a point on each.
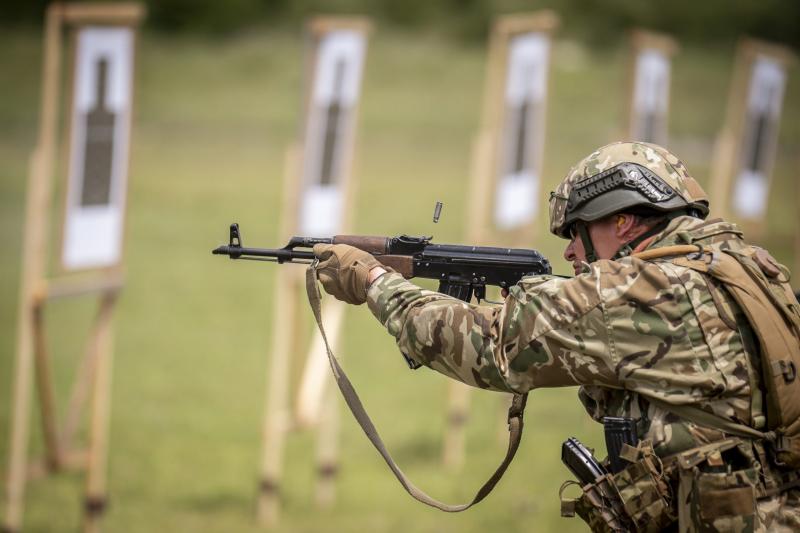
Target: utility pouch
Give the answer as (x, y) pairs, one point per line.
(637, 498)
(717, 492)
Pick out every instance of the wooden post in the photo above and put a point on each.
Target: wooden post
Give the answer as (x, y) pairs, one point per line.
(722, 165)
(328, 446)
(458, 396)
(276, 406)
(82, 386)
(33, 268)
(44, 384)
(277, 415)
(96, 492)
(20, 399)
(317, 374)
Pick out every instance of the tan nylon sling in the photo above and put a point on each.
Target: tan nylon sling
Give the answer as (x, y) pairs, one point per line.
(779, 348)
(357, 408)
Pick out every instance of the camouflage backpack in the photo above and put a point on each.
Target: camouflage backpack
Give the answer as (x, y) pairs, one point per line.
(759, 284)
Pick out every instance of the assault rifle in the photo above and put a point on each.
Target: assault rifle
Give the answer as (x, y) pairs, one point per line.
(462, 271)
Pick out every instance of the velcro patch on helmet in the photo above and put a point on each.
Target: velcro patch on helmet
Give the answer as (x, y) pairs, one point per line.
(627, 175)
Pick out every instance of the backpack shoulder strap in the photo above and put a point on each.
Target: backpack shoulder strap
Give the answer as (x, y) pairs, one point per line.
(694, 414)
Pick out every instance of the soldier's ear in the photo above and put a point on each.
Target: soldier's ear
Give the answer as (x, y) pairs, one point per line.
(624, 225)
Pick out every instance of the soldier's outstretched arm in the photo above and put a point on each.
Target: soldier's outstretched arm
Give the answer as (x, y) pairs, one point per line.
(550, 332)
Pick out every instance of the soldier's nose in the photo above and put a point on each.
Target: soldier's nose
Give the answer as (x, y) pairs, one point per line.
(569, 251)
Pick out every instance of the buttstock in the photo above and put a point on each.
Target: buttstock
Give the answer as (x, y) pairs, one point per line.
(403, 264)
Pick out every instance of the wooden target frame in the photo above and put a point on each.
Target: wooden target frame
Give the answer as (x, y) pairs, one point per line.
(318, 195)
(509, 152)
(746, 147)
(108, 31)
(648, 87)
(508, 157)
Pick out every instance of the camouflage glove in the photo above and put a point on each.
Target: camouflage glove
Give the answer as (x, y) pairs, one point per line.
(344, 271)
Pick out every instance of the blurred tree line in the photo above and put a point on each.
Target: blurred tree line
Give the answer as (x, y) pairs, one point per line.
(597, 21)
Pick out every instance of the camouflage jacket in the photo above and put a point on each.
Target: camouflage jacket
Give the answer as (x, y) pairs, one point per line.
(625, 331)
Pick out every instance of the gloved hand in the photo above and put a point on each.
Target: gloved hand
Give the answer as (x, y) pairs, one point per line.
(344, 271)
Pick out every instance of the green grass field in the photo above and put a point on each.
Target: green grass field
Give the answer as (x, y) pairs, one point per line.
(213, 120)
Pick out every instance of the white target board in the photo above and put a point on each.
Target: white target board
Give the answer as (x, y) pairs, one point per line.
(522, 130)
(330, 129)
(99, 146)
(759, 137)
(650, 103)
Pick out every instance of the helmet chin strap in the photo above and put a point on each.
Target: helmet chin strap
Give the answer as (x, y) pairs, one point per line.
(588, 247)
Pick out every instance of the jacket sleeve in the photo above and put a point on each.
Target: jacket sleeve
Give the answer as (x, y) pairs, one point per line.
(550, 332)
(438, 331)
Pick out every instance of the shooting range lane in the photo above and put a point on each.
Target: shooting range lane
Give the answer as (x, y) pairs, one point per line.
(507, 162)
(318, 187)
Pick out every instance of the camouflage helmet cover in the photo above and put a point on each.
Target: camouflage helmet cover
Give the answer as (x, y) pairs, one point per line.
(621, 176)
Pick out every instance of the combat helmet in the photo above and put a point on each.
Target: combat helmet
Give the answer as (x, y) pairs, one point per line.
(624, 176)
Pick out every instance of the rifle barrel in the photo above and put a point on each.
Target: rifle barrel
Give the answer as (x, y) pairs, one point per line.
(279, 254)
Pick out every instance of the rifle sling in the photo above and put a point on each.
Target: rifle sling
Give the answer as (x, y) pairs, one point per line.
(357, 408)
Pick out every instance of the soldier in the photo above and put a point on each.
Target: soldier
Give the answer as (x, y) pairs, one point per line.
(644, 334)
